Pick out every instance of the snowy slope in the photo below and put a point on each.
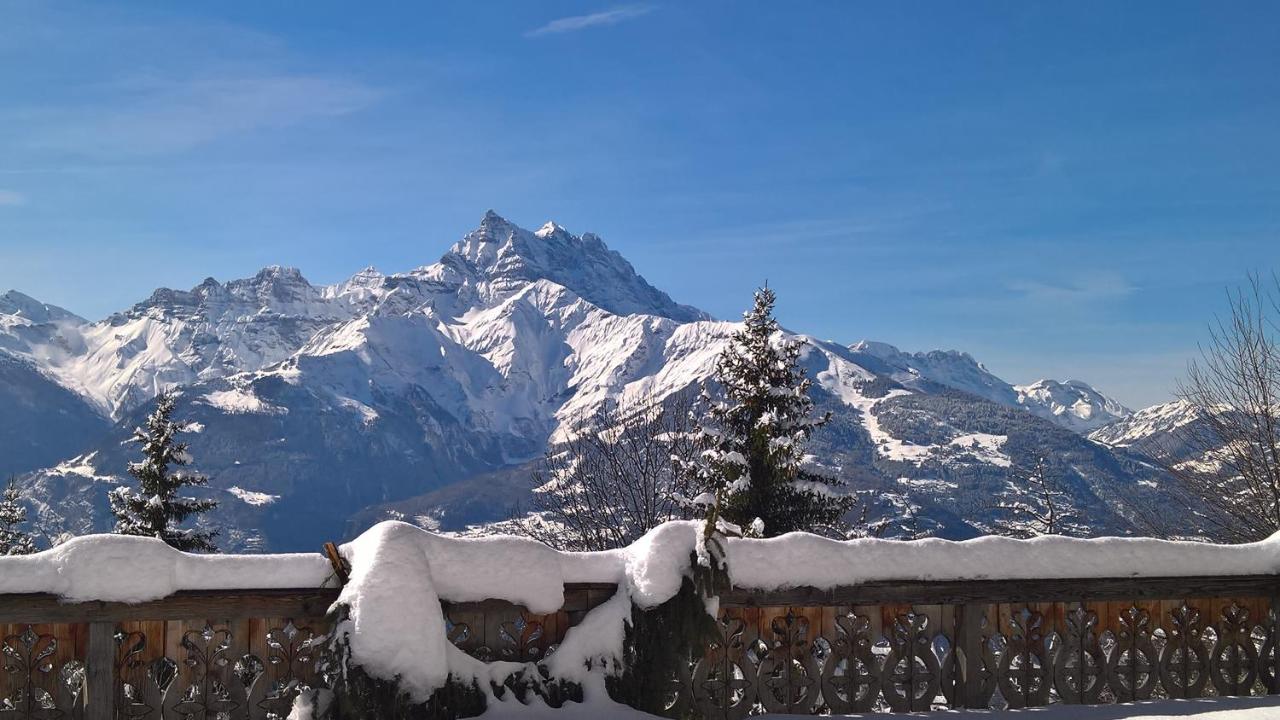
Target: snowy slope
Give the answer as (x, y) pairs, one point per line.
(386, 388)
(1073, 404)
(1173, 433)
(1144, 424)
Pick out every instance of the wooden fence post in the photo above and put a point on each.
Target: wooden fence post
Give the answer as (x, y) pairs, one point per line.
(100, 672)
(969, 661)
(1273, 625)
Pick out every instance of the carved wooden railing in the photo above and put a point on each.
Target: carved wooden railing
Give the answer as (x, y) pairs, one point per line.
(878, 646)
(931, 645)
(237, 654)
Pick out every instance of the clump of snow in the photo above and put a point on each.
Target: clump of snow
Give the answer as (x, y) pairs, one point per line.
(251, 497)
(400, 573)
(122, 568)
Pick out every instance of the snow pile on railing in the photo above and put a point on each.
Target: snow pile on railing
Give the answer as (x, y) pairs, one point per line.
(400, 573)
(799, 559)
(121, 568)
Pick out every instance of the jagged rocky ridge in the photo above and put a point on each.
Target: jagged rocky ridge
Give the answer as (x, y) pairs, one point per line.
(426, 395)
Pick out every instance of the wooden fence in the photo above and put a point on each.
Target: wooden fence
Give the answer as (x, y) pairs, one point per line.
(200, 655)
(877, 646)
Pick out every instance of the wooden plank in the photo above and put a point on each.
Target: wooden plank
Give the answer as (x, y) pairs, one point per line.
(231, 604)
(968, 641)
(1004, 618)
(100, 672)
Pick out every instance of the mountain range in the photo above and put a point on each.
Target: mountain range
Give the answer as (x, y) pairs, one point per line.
(428, 395)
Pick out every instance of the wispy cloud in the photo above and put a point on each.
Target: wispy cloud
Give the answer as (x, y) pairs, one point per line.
(613, 16)
(173, 114)
(1091, 288)
(10, 198)
(144, 87)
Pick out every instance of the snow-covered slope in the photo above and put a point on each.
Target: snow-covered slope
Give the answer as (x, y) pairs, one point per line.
(1156, 420)
(1172, 433)
(1073, 404)
(386, 388)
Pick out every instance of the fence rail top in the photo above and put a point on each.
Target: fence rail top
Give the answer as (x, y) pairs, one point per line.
(183, 605)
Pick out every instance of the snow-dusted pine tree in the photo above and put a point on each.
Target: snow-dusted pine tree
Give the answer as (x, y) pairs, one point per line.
(753, 436)
(13, 540)
(1035, 505)
(156, 509)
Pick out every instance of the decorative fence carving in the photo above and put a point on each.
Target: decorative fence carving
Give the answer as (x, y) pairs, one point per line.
(237, 661)
(922, 646)
(881, 646)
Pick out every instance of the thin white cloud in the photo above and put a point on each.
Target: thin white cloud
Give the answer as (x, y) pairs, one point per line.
(147, 86)
(613, 16)
(173, 114)
(1091, 288)
(10, 198)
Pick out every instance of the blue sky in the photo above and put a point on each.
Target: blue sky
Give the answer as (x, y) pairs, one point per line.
(1060, 189)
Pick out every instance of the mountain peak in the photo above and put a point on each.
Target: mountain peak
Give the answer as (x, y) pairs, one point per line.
(504, 256)
(275, 273)
(1075, 404)
(32, 310)
(551, 228)
(493, 228)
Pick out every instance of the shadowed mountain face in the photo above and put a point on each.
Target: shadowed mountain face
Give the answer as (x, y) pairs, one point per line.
(427, 394)
(41, 422)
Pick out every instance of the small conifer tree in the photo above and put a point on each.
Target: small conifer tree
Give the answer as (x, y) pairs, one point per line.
(14, 540)
(156, 509)
(753, 436)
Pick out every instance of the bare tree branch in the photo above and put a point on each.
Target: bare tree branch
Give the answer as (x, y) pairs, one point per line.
(615, 476)
(1227, 466)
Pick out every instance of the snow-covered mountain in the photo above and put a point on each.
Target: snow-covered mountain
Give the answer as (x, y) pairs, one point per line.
(1157, 420)
(412, 392)
(1173, 433)
(1072, 404)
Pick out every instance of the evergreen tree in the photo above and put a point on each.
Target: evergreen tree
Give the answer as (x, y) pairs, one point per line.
(13, 541)
(156, 509)
(1035, 505)
(754, 434)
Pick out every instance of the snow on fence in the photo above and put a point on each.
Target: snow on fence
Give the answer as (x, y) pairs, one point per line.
(808, 626)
